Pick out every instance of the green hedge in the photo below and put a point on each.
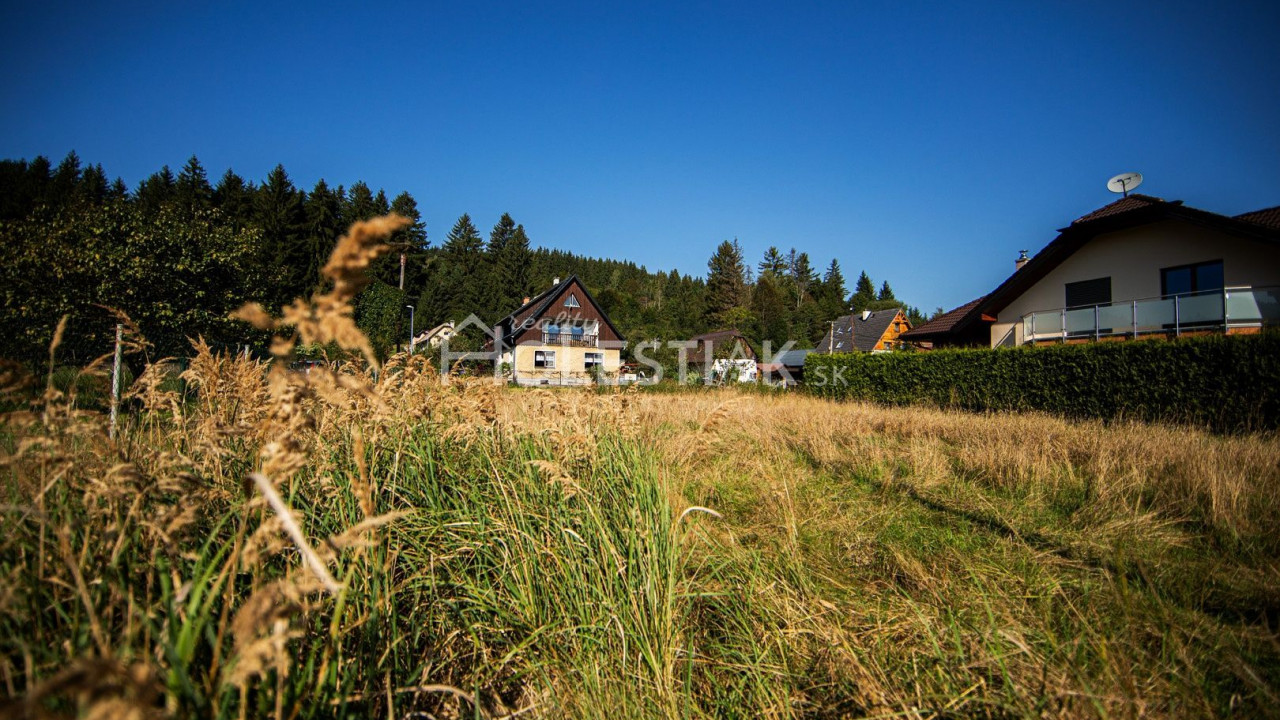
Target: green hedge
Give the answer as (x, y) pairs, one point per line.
(1227, 383)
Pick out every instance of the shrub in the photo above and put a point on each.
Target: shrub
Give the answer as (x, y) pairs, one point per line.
(1226, 383)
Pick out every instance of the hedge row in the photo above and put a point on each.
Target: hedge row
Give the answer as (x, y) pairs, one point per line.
(1226, 383)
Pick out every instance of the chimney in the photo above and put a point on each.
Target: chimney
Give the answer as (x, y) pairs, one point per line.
(526, 300)
(556, 281)
(866, 314)
(1022, 260)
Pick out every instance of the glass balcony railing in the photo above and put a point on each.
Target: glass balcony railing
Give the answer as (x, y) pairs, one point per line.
(1235, 307)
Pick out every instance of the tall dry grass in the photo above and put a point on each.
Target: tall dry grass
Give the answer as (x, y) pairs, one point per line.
(264, 543)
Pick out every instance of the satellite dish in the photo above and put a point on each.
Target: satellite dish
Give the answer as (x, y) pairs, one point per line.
(1124, 182)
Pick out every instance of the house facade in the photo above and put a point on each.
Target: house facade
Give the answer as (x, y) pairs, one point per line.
(433, 337)
(868, 331)
(560, 337)
(1142, 266)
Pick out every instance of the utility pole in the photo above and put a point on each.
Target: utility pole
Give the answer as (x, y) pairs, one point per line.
(402, 262)
(831, 342)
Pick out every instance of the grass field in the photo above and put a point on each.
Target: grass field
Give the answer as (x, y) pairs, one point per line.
(260, 543)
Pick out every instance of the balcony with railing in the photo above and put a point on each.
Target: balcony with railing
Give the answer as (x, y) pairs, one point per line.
(1208, 311)
(571, 339)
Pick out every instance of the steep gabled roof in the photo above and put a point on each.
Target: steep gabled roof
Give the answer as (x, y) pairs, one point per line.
(1132, 211)
(538, 305)
(948, 323)
(853, 333)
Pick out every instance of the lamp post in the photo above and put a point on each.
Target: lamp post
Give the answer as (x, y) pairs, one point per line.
(411, 337)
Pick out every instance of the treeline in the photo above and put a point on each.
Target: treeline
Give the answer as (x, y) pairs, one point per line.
(179, 252)
(784, 297)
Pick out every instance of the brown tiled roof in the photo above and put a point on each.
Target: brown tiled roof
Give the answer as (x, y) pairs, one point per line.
(1270, 217)
(944, 323)
(1135, 201)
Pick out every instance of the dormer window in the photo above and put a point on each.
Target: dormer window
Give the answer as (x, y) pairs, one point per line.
(572, 301)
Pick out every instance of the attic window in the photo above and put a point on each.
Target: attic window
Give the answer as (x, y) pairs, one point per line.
(572, 301)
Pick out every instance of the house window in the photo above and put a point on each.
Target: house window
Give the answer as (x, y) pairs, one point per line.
(1200, 277)
(576, 332)
(593, 360)
(544, 359)
(572, 301)
(1089, 292)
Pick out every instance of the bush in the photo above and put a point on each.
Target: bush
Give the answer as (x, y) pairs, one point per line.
(1226, 383)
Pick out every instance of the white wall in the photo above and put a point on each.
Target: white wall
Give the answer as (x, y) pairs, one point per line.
(1133, 259)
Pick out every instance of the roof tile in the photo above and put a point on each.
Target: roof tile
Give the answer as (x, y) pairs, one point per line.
(944, 322)
(1135, 201)
(1269, 217)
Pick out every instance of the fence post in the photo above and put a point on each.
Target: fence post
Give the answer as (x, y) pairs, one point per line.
(115, 381)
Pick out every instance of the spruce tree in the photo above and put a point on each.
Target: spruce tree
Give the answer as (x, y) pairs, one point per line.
(360, 204)
(802, 276)
(192, 191)
(234, 199)
(118, 190)
(322, 212)
(864, 293)
(726, 299)
(278, 212)
(886, 293)
(156, 191)
(93, 185)
(773, 263)
(506, 279)
(65, 181)
(831, 294)
(456, 287)
(769, 306)
(411, 242)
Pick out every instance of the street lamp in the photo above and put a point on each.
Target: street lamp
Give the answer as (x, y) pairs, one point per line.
(411, 337)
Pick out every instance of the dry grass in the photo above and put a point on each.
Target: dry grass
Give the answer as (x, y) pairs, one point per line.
(262, 543)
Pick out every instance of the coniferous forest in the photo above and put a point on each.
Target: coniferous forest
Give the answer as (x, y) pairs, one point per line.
(180, 251)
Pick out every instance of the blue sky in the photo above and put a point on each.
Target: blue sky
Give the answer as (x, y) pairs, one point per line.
(925, 145)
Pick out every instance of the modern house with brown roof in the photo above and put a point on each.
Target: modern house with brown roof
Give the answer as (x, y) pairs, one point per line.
(1138, 267)
(560, 337)
(868, 331)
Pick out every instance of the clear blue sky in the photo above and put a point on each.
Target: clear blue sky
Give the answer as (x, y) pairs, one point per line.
(923, 145)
